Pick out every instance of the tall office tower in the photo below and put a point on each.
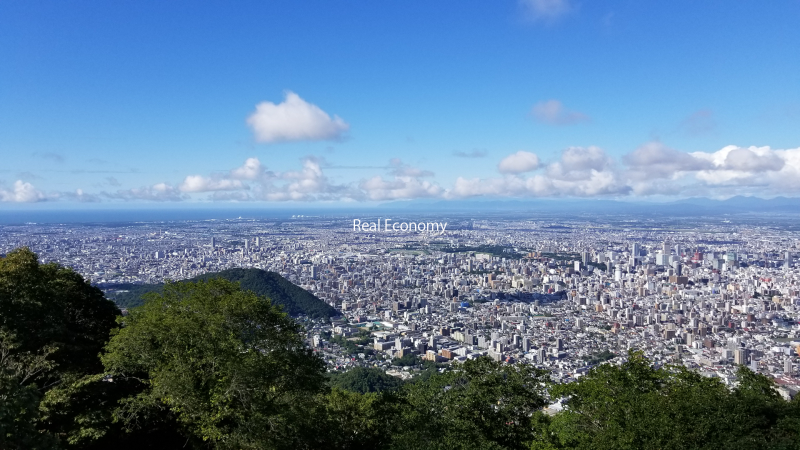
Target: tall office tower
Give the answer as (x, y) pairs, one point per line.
(678, 250)
(788, 259)
(314, 272)
(432, 343)
(585, 259)
(526, 344)
(577, 266)
(258, 242)
(635, 250)
(542, 355)
(740, 356)
(787, 366)
(213, 242)
(665, 248)
(559, 344)
(678, 268)
(246, 245)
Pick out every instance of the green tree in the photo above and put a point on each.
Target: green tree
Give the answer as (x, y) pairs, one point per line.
(480, 404)
(638, 406)
(20, 396)
(364, 380)
(50, 306)
(230, 366)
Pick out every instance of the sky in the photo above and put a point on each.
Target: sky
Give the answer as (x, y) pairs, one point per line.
(131, 103)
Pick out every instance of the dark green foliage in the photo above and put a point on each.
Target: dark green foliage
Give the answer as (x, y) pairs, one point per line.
(406, 360)
(47, 305)
(294, 300)
(226, 363)
(637, 406)
(20, 396)
(363, 380)
(350, 347)
(480, 404)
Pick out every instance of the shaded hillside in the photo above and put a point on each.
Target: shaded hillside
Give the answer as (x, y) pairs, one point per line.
(294, 300)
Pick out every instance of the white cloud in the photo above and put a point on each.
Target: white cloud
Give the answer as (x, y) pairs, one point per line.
(160, 192)
(519, 162)
(400, 188)
(294, 120)
(553, 112)
(655, 160)
(21, 192)
(546, 9)
(250, 170)
(199, 183)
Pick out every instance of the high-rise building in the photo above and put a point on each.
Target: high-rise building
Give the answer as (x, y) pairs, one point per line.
(542, 355)
(526, 344)
(213, 242)
(635, 249)
(787, 366)
(740, 356)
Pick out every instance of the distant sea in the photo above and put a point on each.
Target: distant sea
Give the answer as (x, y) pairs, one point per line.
(9, 217)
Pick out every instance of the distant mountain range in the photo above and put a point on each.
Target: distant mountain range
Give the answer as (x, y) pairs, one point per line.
(294, 299)
(686, 207)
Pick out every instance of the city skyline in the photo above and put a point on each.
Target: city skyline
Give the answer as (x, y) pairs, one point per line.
(128, 105)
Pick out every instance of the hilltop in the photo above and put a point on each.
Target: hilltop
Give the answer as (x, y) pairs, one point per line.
(294, 299)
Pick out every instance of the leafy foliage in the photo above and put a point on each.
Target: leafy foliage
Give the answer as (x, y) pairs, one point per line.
(479, 404)
(294, 300)
(364, 380)
(229, 365)
(49, 306)
(637, 406)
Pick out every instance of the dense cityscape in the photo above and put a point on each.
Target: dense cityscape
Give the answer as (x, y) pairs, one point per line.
(564, 294)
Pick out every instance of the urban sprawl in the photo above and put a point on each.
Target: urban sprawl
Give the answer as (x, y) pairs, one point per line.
(563, 294)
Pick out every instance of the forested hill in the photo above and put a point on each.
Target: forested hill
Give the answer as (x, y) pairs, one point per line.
(294, 300)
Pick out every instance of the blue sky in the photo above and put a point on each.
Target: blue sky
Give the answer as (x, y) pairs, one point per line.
(362, 102)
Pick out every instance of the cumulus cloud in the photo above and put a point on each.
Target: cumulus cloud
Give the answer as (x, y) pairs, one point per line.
(159, 192)
(656, 160)
(78, 195)
(579, 172)
(546, 9)
(579, 163)
(400, 188)
(21, 192)
(252, 169)
(199, 183)
(473, 154)
(553, 112)
(294, 120)
(519, 162)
